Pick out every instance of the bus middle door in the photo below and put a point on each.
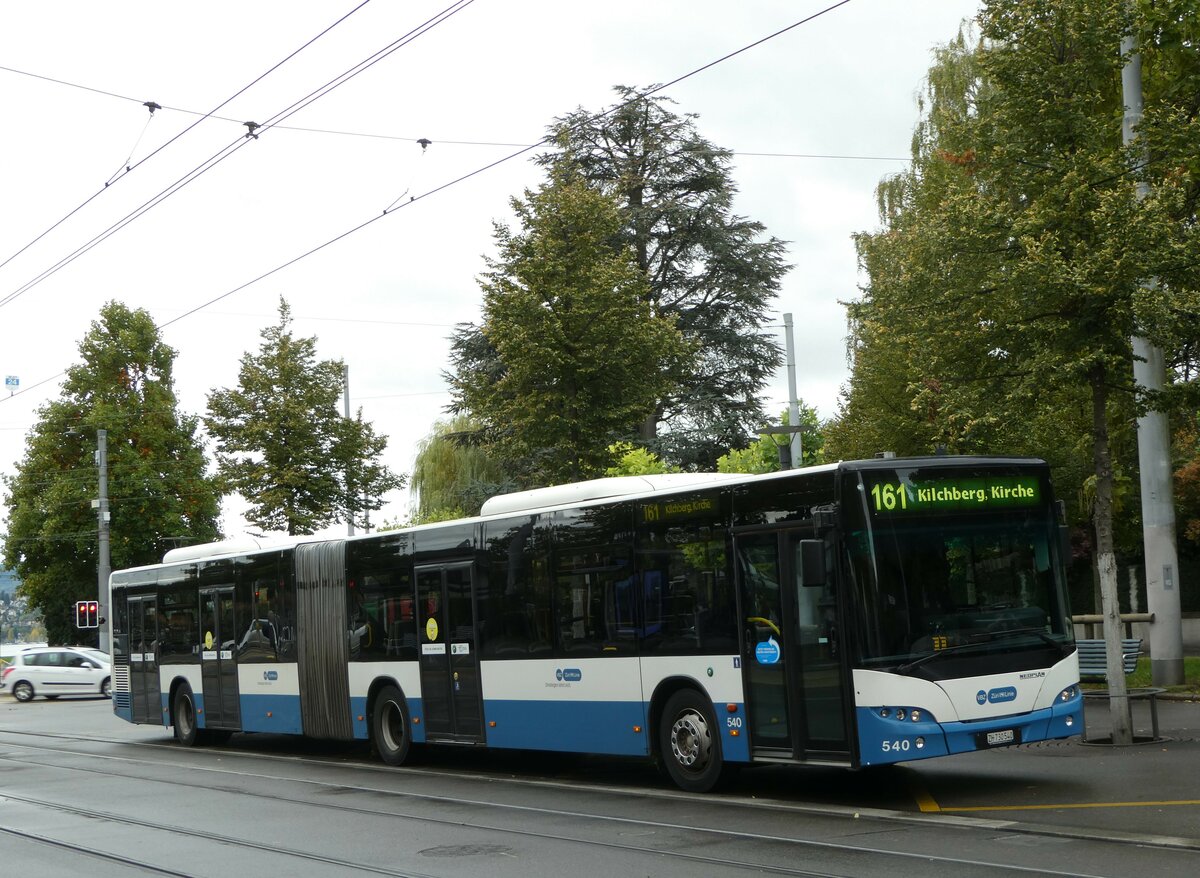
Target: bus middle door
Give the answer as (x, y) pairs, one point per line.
(218, 659)
(450, 689)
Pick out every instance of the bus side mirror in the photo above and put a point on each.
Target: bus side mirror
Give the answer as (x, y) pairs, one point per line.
(812, 563)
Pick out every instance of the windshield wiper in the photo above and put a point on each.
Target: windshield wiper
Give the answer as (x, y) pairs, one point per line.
(979, 640)
(908, 667)
(1039, 633)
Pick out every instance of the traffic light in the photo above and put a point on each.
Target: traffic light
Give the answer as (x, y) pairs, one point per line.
(87, 614)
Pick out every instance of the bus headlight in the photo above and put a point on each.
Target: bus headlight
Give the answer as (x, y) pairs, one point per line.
(1068, 693)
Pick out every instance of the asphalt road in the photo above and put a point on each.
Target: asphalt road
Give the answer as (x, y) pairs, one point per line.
(84, 793)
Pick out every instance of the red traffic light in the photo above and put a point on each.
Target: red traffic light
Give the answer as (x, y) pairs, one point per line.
(87, 614)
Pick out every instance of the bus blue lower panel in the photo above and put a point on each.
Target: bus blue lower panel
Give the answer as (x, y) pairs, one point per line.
(569, 726)
(279, 714)
(886, 740)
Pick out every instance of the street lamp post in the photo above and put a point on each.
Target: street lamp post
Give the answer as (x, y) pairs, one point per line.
(103, 563)
(788, 459)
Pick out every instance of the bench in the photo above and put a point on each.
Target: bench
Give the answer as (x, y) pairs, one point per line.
(1093, 657)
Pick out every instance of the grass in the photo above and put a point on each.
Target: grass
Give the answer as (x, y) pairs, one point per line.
(1140, 678)
(1191, 676)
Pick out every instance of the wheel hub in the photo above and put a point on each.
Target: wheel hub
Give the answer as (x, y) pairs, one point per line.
(691, 740)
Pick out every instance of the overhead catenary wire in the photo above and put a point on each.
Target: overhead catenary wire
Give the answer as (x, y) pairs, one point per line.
(148, 104)
(460, 179)
(255, 129)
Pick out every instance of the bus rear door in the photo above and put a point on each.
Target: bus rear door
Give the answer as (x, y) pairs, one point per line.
(143, 659)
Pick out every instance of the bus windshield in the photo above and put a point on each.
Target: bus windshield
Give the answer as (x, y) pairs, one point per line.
(940, 588)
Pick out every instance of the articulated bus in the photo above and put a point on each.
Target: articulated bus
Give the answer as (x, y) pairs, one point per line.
(855, 614)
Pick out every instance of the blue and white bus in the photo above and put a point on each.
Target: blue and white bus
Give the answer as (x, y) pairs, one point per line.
(855, 614)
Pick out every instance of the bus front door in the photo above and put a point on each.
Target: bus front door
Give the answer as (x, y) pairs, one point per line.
(450, 690)
(143, 659)
(794, 677)
(218, 659)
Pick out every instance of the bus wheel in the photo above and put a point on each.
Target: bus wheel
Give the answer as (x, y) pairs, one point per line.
(390, 733)
(184, 713)
(689, 743)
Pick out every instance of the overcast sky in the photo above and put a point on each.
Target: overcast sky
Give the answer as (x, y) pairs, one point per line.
(816, 116)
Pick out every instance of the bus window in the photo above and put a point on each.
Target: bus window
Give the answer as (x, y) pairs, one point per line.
(514, 601)
(689, 599)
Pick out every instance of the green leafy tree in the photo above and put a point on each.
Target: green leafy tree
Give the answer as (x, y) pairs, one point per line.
(582, 353)
(1006, 283)
(159, 494)
(712, 273)
(283, 445)
(453, 473)
(633, 460)
(763, 456)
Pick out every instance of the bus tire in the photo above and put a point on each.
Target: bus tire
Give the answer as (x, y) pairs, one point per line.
(690, 742)
(391, 734)
(183, 715)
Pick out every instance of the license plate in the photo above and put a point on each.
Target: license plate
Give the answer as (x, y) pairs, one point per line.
(995, 739)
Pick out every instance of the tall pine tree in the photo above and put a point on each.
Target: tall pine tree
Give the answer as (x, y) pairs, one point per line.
(712, 273)
(283, 445)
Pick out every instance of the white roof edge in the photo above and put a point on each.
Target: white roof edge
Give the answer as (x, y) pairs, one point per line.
(208, 550)
(599, 489)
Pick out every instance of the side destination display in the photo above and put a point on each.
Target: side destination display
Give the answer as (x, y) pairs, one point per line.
(898, 495)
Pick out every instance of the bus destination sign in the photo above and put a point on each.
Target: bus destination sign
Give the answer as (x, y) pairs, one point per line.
(899, 496)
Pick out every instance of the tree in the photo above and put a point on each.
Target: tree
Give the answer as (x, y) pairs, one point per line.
(453, 474)
(1004, 287)
(282, 444)
(583, 355)
(158, 490)
(709, 271)
(763, 456)
(632, 460)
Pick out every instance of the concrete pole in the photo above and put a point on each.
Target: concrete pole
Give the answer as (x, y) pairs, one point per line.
(1154, 444)
(346, 412)
(104, 565)
(793, 402)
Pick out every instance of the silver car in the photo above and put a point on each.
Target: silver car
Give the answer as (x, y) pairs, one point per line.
(56, 670)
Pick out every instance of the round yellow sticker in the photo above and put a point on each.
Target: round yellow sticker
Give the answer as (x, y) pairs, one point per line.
(208, 640)
(431, 629)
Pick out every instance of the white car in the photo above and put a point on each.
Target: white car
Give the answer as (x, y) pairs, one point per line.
(56, 670)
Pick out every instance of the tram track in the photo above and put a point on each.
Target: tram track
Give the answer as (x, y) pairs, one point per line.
(91, 853)
(176, 830)
(755, 802)
(976, 866)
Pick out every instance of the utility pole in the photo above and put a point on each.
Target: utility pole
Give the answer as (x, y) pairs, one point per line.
(346, 412)
(103, 566)
(793, 403)
(1154, 440)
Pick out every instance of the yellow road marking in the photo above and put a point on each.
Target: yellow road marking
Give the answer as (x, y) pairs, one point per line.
(1074, 805)
(928, 804)
(925, 801)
